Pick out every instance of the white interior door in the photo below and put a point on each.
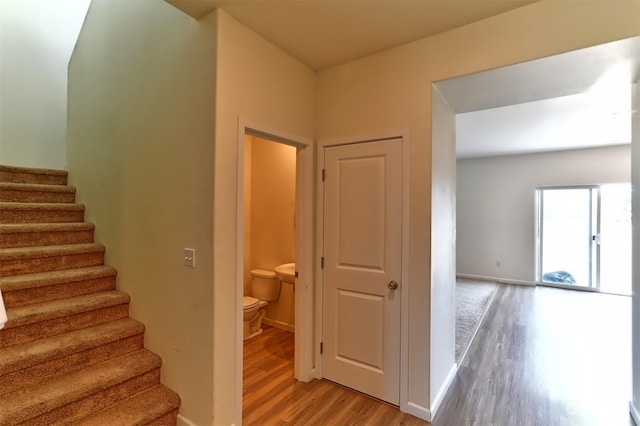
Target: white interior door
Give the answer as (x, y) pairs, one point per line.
(362, 267)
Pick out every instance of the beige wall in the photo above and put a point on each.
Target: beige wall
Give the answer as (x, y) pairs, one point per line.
(273, 195)
(141, 151)
(392, 90)
(260, 83)
(272, 211)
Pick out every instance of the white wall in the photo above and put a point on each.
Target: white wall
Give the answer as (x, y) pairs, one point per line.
(260, 83)
(392, 90)
(443, 272)
(496, 204)
(141, 152)
(36, 41)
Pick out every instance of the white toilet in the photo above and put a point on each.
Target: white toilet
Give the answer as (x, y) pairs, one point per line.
(265, 287)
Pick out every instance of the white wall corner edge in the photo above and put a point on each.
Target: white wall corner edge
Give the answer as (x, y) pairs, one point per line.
(437, 401)
(635, 413)
(183, 421)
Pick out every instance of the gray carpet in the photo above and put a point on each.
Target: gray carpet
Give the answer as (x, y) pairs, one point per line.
(472, 300)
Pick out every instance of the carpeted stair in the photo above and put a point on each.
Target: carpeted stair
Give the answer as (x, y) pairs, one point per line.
(69, 353)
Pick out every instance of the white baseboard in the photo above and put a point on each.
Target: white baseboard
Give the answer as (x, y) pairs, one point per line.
(183, 421)
(419, 411)
(496, 279)
(435, 404)
(635, 413)
(279, 324)
(425, 413)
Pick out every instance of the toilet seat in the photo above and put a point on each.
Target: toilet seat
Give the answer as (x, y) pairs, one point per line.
(249, 302)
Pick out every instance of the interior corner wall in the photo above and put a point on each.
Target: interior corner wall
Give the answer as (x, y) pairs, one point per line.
(496, 204)
(260, 83)
(635, 208)
(141, 153)
(391, 90)
(36, 40)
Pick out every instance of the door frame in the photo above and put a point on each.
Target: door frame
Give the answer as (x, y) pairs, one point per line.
(319, 279)
(304, 354)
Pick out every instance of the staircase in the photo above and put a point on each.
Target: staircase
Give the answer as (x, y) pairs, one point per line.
(69, 353)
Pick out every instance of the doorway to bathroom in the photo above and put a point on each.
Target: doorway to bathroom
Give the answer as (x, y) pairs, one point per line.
(269, 224)
(274, 240)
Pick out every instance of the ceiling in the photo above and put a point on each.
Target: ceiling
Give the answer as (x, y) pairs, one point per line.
(324, 33)
(580, 99)
(556, 103)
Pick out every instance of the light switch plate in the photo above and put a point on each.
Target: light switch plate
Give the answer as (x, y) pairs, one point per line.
(189, 257)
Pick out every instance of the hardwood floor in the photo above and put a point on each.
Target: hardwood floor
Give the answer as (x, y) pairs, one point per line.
(273, 397)
(546, 356)
(542, 356)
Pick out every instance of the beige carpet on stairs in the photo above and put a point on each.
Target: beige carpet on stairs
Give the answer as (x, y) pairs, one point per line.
(69, 353)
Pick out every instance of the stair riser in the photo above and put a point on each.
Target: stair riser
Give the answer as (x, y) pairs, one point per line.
(30, 332)
(169, 419)
(29, 296)
(36, 196)
(18, 176)
(11, 267)
(16, 215)
(45, 238)
(75, 410)
(154, 406)
(39, 373)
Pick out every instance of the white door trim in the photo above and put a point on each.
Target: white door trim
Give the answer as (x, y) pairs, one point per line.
(304, 353)
(404, 316)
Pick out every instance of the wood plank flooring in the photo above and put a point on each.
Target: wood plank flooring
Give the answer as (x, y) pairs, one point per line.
(542, 356)
(546, 356)
(273, 397)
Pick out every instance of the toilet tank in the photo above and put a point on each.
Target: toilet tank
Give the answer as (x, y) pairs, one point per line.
(264, 284)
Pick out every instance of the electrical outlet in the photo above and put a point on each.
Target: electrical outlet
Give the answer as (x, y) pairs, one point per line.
(498, 263)
(189, 258)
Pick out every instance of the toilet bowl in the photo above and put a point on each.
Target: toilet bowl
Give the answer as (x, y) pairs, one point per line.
(253, 314)
(265, 287)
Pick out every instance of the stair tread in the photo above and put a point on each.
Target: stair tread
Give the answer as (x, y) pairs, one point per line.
(136, 410)
(37, 187)
(48, 251)
(38, 312)
(30, 174)
(40, 234)
(35, 352)
(39, 227)
(33, 170)
(30, 402)
(19, 282)
(7, 205)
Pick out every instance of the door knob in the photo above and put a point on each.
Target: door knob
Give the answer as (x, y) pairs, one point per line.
(392, 285)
